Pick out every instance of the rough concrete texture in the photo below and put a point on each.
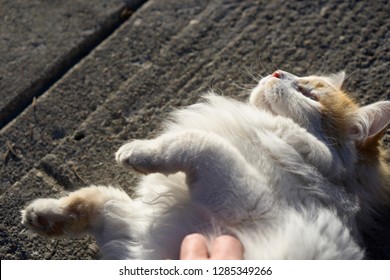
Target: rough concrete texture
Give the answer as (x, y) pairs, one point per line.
(164, 56)
(40, 40)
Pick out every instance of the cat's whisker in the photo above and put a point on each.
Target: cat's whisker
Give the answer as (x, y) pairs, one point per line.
(350, 74)
(272, 62)
(266, 70)
(323, 69)
(250, 73)
(246, 87)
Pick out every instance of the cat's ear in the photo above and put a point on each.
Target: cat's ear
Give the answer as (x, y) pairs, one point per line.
(336, 80)
(370, 121)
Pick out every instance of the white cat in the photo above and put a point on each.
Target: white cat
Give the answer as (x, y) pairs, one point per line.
(293, 174)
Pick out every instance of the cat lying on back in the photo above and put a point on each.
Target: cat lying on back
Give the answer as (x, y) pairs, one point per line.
(295, 173)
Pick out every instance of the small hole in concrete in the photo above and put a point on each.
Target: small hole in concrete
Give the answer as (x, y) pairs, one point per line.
(79, 135)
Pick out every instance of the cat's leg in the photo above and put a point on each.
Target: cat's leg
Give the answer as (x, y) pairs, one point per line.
(217, 173)
(173, 152)
(311, 149)
(81, 212)
(106, 213)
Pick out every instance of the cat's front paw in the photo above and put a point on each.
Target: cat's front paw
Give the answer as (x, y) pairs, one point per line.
(139, 156)
(46, 217)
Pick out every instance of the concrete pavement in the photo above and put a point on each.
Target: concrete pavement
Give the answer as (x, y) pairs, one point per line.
(146, 60)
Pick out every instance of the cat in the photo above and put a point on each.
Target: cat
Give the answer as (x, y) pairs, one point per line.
(294, 173)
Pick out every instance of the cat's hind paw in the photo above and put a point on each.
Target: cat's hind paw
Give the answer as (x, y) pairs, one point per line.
(46, 217)
(73, 215)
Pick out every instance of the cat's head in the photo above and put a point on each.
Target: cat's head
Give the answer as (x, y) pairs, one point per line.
(318, 104)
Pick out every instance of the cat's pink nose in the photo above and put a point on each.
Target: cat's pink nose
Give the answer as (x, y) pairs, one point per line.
(277, 75)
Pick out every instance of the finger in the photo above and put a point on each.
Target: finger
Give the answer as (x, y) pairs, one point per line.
(226, 247)
(194, 247)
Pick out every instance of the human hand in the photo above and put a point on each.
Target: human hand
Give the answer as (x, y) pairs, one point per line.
(224, 247)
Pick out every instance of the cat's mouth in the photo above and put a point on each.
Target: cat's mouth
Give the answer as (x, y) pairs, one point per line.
(307, 93)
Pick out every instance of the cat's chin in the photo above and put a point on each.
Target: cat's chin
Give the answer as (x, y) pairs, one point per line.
(258, 100)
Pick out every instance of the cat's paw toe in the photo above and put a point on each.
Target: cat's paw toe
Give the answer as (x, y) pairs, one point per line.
(44, 216)
(136, 156)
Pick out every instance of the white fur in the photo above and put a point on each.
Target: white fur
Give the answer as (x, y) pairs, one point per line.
(260, 171)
